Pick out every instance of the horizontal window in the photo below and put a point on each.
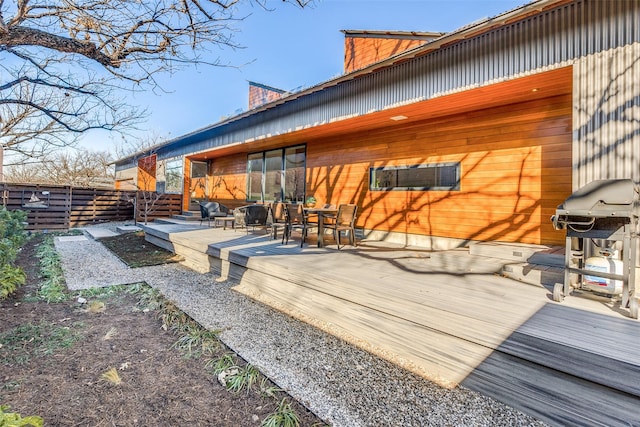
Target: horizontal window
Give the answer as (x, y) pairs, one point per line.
(435, 176)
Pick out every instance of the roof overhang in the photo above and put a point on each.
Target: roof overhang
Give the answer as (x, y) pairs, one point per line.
(469, 31)
(523, 89)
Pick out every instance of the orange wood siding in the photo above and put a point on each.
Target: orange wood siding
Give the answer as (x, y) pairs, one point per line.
(147, 173)
(512, 139)
(515, 169)
(229, 180)
(186, 184)
(362, 51)
(262, 95)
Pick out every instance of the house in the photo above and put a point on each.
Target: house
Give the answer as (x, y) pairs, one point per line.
(440, 139)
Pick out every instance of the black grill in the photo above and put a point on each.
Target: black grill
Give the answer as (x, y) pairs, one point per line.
(600, 217)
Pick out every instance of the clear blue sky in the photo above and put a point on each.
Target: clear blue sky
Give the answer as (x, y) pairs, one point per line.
(288, 48)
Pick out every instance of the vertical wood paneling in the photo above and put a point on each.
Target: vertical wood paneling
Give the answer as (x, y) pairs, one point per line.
(186, 184)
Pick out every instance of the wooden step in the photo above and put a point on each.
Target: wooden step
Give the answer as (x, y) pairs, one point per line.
(522, 252)
(187, 216)
(552, 396)
(537, 265)
(534, 274)
(447, 316)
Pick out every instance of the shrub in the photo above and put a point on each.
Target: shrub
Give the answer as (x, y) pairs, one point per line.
(14, 419)
(11, 278)
(12, 237)
(12, 225)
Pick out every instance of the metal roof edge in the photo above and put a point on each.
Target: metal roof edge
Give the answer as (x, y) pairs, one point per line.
(264, 86)
(418, 35)
(470, 30)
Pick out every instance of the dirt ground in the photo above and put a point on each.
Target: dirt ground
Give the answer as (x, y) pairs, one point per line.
(134, 251)
(53, 357)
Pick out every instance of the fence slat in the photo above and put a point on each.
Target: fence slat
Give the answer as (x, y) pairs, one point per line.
(64, 207)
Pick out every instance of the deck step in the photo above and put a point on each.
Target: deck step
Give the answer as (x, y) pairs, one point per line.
(534, 274)
(537, 265)
(187, 216)
(522, 252)
(554, 397)
(451, 319)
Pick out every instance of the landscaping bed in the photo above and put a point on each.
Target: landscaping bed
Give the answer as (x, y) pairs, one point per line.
(124, 357)
(135, 251)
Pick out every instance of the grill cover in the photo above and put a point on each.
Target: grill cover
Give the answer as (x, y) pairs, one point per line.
(602, 198)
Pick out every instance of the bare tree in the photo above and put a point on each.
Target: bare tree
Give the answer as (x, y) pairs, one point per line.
(63, 64)
(143, 145)
(41, 112)
(80, 168)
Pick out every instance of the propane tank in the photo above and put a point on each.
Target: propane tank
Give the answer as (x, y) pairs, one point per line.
(607, 262)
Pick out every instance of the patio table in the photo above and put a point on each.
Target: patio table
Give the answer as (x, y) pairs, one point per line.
(225, 220)
(322, 214)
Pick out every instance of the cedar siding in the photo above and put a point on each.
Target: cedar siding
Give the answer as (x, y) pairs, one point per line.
(532, 104)
(363, 48)
(229, 180)
(515, 167)
(515, 170)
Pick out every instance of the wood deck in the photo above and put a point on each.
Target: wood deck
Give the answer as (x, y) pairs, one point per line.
(446, 316)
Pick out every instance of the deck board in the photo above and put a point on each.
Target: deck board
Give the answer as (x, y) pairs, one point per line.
(552, 396)
(449, 317)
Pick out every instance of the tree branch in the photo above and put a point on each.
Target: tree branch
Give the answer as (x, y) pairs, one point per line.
(25, 36)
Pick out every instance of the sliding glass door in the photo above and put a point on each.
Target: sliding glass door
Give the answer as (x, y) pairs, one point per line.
(197, 184)
(276, 175)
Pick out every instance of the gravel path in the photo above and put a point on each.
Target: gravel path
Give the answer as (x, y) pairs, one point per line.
(342, 384)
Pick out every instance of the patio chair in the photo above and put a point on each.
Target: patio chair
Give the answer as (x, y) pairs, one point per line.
(345, 221)
(211, 210)
(296, 220)
(251, 216)
(279, 220)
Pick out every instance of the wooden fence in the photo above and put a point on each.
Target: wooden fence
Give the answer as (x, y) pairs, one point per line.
(51, 207)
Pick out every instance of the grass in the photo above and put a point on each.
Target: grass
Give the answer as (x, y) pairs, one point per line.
(243, 379)
(198, 341)
(53, 287)
(112, 377)
(34, 340)
(283, 416)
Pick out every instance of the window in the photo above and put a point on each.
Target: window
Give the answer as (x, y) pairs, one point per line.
(198, 182)
(276, 174)
(273, 175)
(198, 169)
(254, 176)
(437, 176)
(294, 170)
(173, 176)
